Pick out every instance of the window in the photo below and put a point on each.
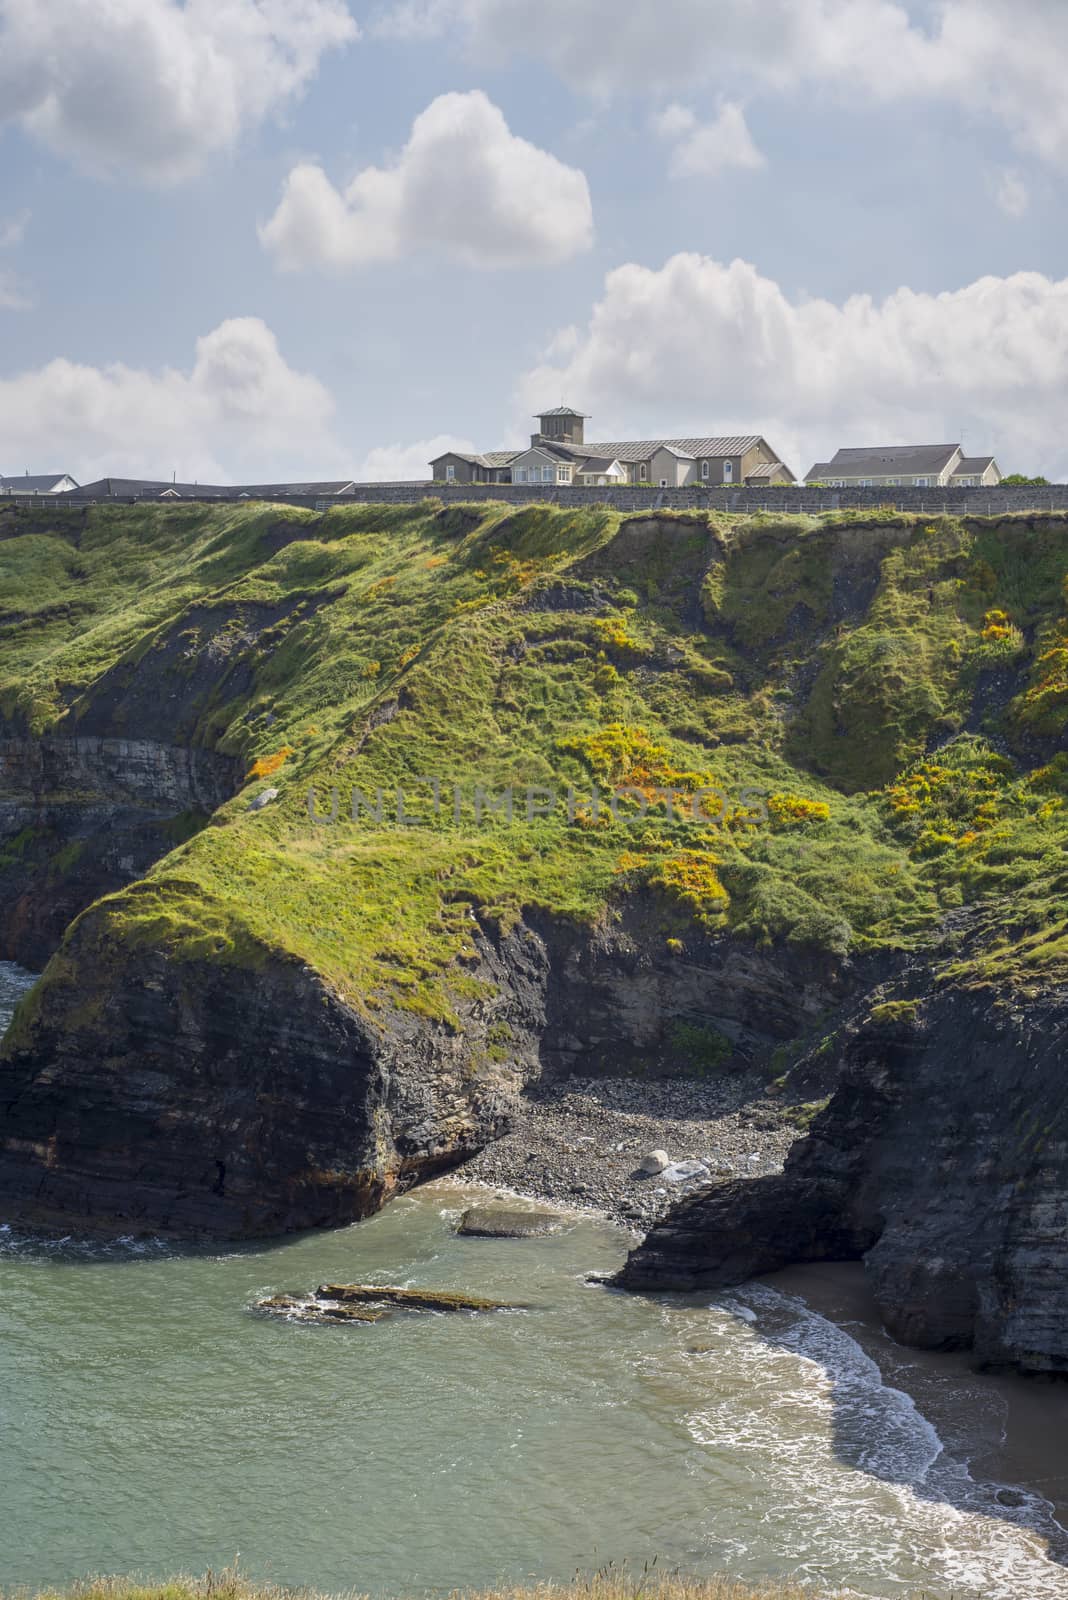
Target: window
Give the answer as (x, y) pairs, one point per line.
(643, 472)
(705, 470)
(546, 474)
(922, 483)
(450, 474)
(663, 483)
(561, 475)
(520, 475)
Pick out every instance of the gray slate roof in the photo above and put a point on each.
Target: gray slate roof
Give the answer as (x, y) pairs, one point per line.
(563, 411)
(972, 466)
(767, 469)
(643, 449)
(882, 461)
(41, 483)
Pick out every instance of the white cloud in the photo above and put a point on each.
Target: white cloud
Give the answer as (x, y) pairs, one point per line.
(464, 187)
(701, 347)
(151, 88)
(703, 150)
(1011, 193)
(240, 412)
(403, 463)
(1002, 58)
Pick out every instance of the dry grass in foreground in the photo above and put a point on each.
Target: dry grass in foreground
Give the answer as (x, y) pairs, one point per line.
(606, 1585)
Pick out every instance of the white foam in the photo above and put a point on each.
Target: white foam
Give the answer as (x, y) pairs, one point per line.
(850, 1482)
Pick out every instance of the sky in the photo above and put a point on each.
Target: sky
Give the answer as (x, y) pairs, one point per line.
(251, 240)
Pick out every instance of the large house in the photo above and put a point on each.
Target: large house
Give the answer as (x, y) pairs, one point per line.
(907, 466)
(558, 454)
(48, 483)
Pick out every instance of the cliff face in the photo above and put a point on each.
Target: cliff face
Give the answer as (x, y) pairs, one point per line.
(80, 817)
(941, 1161)
(838, 865)
(236, 1095)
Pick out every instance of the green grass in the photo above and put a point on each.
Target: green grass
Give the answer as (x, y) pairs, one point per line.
(817, 660)
(609, 1584)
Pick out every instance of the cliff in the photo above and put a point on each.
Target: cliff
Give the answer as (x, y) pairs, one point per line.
(262, 1014)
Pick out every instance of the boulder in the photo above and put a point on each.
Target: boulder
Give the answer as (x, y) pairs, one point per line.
(264, 798)
(685, 1172)
(656, 1161)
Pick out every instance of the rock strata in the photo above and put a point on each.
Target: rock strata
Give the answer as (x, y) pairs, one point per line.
(941, 1160)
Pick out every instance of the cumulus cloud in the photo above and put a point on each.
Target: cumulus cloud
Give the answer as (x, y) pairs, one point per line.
(404, 463)
(1006, 58)
(703, 150)
(464, 187)
(240, 412)
(151, 88)
(702, 347)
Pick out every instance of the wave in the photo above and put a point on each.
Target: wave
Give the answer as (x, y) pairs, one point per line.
(853, 1485)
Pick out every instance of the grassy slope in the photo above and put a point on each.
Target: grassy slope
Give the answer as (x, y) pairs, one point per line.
(814, 660)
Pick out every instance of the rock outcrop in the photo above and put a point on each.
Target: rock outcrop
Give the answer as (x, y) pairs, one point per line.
(81, 817)
(941, 1160)
(235, 1093)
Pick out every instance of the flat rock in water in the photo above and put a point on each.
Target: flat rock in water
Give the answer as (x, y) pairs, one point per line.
(374, 1294)
(297, 1309)
(495, 1222)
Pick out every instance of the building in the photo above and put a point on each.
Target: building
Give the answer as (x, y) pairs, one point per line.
(558, 454)
(48, 483)
(919, 466)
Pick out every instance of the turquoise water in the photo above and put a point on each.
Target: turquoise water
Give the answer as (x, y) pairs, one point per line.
(149, 1421)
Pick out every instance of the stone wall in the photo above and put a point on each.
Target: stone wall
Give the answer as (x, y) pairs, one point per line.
(962, 502)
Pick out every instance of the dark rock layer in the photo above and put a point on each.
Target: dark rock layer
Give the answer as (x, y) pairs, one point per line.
(941, 1160)
(81, 817)
(202, 1097)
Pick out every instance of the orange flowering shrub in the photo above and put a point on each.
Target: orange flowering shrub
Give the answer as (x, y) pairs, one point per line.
(267, 766)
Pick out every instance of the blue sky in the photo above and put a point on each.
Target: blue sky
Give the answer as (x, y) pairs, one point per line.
(256, 238)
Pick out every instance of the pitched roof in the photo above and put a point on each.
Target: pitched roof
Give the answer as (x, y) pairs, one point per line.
(488, 458)
(768, 469)
(563, 411)
(43, 483)
(644, 449)
(145, 488)
(597, 463)
(973, 466)
(266, 491)
(881, 461)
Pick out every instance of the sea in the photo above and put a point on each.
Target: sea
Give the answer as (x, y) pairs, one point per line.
(153, 1422)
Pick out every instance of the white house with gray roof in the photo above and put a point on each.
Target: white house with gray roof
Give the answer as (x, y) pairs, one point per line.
(558, 454)
(912, 466)
(40, 483)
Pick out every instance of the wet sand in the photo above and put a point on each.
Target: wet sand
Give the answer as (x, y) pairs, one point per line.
(1010, 1430)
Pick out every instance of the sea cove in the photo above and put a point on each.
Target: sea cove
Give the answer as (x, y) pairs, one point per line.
(151, 1421)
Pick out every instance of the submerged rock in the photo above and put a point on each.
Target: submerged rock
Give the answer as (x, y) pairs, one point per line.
(368, 1302)
(298, 1309)
(495, 1222)
(376, 1294)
